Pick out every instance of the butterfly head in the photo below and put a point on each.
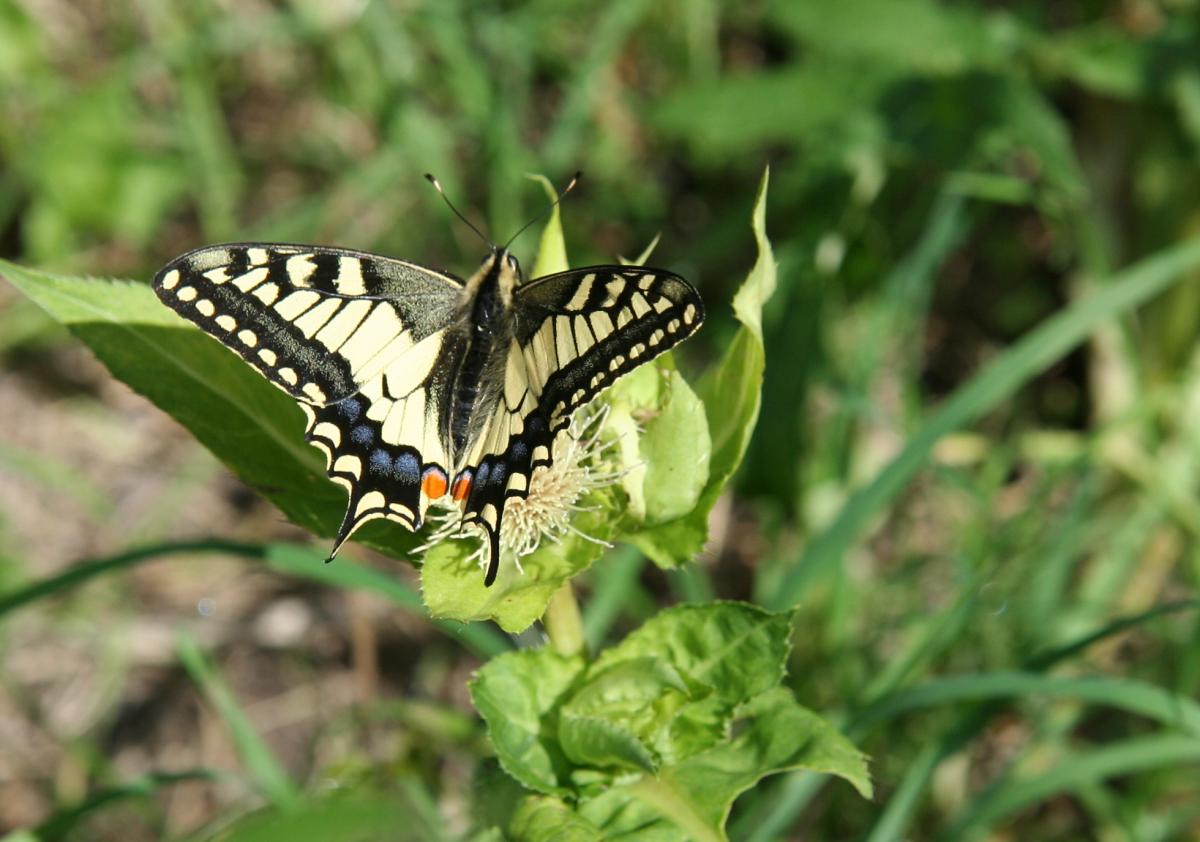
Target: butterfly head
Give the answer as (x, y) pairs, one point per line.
(502, 268)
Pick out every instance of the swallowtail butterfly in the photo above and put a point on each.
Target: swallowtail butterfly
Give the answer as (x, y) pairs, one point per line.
(418, 384)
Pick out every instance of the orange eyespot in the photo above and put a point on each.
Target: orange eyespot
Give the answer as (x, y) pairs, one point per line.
(433, 483)
(462, 486)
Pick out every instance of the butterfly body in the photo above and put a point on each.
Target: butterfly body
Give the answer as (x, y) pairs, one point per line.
(418, 385)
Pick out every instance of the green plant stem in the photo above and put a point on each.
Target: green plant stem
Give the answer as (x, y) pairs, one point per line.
(563, 623)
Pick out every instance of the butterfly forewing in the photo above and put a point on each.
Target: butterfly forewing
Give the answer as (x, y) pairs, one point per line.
(354, 338)
(580, 330)
(317, 322)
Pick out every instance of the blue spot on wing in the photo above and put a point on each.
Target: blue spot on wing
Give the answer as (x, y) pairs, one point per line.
(407, 468)
(363, 434)
(381, 463)
(350, 409)
(519, 451)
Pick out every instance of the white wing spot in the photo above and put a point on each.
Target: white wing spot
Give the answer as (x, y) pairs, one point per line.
(247, 338)
(581, 294)
(689, 314)
(350, 279)
(583, 335)
(646, 282)
(313, 320)
(299, 268)
(564, 344)
(328, 431)
(640, 306)
(186, 293)
(288, 375)
(170, 279)
(602, 324)
(662, 305)
(347, 464)
(267, 293)
(315, 392)
(342, 326)
(624, 317)
(380, 327)
(227, 322)
(256, 256)
(219, 275)
(293, 305)
(370, 500)
(612, 289)
(205, 307)
(267, 356)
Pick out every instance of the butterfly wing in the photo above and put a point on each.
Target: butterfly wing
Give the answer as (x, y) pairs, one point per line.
(354, 338)
(575, 333)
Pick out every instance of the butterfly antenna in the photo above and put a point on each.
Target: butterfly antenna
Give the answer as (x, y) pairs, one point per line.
(438, 186)
(570, 186)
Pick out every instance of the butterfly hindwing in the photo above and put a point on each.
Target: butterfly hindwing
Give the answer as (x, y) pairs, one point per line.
(385, 449)
(317, 322)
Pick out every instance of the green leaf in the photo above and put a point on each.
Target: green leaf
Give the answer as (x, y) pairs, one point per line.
(691, 701)
(543, 819)
(732, 396)
(674, 682)
(552, 248)
(613, 718)
(774, 734)
(1100, 57)
(922, 36)
(343, 816)
(735, 649)
(751, 117)
(254, 428)
(665, 467)
(518, 696)
(596, 742)
(732, 392)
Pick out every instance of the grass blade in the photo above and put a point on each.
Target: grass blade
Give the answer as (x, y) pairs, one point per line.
(1133, 696)
(284, 558)
(85, 571)
(1075, 771)
(272, 781)
(1028, 357)
(63, 821)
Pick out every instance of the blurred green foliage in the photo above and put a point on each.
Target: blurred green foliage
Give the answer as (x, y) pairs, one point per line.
(945, 178)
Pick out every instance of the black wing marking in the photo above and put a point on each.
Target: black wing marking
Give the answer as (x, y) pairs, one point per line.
(317, 322)
(576, 333)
